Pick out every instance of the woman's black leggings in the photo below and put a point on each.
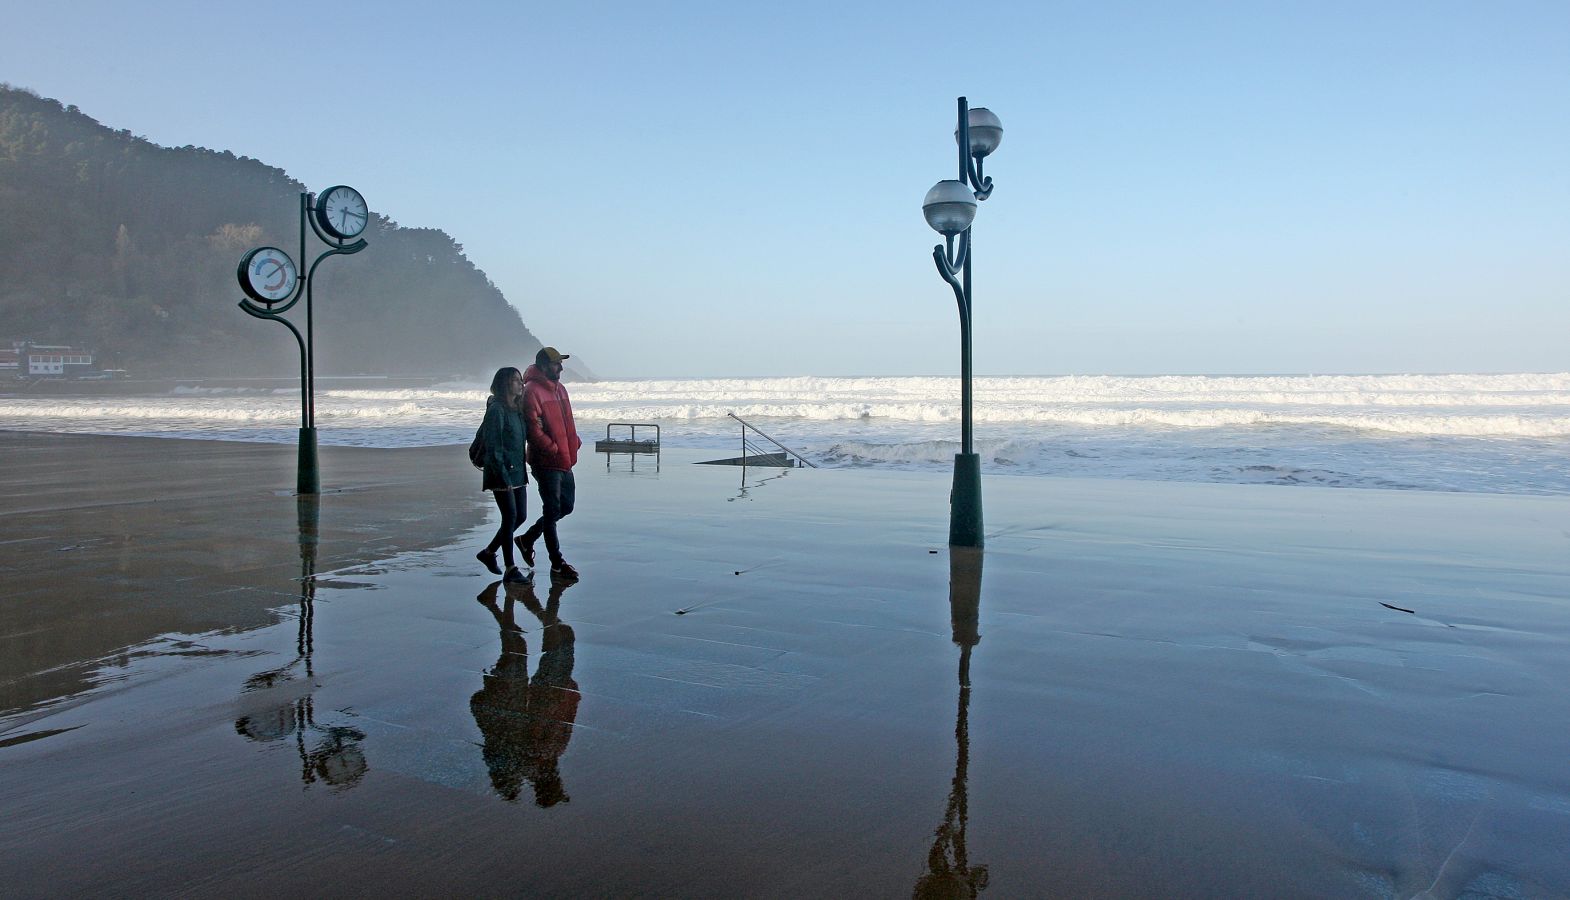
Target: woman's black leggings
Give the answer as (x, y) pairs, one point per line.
(511, 504)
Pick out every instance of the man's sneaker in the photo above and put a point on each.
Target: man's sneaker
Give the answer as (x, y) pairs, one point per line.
(527, 549)
(564, 570)
(514, 576)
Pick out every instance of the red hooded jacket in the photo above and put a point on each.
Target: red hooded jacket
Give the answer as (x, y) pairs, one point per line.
(553, 438)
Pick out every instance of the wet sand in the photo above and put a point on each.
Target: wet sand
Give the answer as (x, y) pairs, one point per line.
(109, 542)
(1140, 689)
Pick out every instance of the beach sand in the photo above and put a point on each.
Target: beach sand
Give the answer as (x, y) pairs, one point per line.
(778, 688)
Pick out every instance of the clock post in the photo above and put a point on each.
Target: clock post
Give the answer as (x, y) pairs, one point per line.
(272, 285)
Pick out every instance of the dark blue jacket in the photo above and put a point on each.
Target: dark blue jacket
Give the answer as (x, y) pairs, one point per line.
(504, 433)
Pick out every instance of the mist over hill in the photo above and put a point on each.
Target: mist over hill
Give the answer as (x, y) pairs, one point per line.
(129, 249)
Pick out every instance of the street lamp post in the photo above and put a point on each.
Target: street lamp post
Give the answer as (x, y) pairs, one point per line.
(273, 285)
(950, 208)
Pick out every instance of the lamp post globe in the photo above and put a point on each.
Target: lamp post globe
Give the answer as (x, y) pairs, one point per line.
(986, 132)
(950, 207)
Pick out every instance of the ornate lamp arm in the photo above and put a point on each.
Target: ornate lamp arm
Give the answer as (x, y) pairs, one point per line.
(950, 265)
(982, 185)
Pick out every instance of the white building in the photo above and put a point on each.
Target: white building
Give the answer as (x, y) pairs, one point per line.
(36, 360)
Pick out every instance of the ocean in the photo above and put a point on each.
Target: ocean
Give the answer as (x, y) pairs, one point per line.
(1505, 433)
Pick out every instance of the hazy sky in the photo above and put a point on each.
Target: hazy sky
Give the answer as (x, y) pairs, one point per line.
(686, 188)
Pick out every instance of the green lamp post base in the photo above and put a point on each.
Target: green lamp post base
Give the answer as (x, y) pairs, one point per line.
(310, 478)
(965, 502)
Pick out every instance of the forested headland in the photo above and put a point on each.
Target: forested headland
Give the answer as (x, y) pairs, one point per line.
(128, 249)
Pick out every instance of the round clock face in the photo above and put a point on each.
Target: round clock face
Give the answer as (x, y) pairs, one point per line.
(341, 212)
(268, 275)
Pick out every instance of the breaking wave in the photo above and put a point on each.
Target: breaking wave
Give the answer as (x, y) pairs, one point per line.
(1426, 422)
(102, 414)
(1336, 390)
(1444, 432)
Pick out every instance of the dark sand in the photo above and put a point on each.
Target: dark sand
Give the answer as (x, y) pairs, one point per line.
(1178, 690)
(108, 542)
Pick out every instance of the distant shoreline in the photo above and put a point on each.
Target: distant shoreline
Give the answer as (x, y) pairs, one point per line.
(133, 386)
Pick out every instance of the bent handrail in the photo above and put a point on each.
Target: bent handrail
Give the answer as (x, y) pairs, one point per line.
(746, 425)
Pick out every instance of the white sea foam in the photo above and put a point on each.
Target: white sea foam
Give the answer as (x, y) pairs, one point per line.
(1412, 422)
(194, 390)
(474, 395)
(98, 413)
(1400, 390)
(1459, 432)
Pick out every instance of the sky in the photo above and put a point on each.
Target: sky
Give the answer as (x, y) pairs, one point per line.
(693, 189)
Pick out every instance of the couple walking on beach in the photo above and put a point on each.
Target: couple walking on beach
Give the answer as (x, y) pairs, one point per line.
(529, 410)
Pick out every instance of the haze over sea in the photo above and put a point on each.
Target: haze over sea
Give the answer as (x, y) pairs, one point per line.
(1499, 433)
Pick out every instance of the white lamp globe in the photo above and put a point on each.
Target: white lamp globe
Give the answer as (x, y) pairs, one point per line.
(986, 132)
(950, 207)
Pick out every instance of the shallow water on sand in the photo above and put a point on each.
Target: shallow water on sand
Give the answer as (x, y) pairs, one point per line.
(783, 686)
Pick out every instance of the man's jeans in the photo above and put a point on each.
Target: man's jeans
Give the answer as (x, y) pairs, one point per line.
(558, 492)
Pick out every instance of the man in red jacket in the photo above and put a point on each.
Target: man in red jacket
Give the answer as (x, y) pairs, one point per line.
(553, 450)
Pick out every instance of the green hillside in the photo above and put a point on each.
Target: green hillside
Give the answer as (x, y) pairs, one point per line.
(113, 243)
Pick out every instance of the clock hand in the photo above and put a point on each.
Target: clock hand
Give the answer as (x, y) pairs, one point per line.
(279, 271)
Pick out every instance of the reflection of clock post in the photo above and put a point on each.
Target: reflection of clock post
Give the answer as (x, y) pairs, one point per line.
(273, 285)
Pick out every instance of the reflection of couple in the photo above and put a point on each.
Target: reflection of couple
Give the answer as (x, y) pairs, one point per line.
(526, 723)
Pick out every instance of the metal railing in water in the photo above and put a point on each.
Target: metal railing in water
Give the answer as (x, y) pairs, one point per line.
(750, 447)
(630, 446)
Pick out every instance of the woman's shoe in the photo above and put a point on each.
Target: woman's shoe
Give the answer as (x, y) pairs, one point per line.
(564, 570)
(527, 549)
(514, 576)
(487, 559)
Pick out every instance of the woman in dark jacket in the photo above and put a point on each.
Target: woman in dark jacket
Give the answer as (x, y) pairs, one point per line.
(505, 474)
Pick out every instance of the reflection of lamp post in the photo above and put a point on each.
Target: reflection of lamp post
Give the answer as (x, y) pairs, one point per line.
(950, 207)
(269, 277)
(949, 872)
